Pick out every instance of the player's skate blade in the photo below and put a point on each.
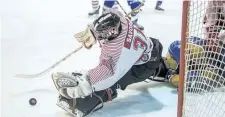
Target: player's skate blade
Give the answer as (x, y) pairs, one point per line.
(159, 9)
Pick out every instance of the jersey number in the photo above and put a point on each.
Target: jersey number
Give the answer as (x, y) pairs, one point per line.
(139, 43)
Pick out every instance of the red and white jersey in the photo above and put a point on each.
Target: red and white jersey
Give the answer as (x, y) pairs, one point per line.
(117, 57)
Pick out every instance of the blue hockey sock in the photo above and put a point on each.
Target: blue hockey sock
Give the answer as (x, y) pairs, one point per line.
(109, 3)
(159, 3)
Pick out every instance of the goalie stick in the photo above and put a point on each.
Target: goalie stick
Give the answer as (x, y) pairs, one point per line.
(49, 68)
(132, 11)
(142, 4)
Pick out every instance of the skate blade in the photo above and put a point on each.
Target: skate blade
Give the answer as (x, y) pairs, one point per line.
(158, 11)
(66, 109)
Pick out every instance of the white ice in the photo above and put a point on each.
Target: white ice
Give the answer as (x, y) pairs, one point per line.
(37, 33)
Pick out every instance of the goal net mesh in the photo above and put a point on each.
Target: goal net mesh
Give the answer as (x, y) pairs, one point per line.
(204, 60)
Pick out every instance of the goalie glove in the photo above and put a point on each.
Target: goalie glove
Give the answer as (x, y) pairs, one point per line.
(73, 85)
(86, 37)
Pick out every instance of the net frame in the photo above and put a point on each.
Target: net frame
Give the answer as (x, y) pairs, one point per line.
(183, 65)
(182, 58)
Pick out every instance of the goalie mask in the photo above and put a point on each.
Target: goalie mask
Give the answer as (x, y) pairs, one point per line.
(107, 26)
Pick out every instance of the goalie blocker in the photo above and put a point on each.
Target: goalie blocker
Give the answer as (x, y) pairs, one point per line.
(127, 57)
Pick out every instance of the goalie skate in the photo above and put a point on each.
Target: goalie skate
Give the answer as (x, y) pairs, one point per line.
(69, 105)
(82, 107)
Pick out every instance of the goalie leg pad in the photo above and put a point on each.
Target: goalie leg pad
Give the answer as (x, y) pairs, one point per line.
(72, 85)
(63, 81)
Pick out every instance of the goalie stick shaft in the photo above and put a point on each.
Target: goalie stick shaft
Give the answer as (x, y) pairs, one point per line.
(142, 4)
(132, 11)
(49, 68)
(122, 8)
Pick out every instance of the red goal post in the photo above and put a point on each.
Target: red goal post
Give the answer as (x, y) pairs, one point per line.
(182, 57)
(201, 90)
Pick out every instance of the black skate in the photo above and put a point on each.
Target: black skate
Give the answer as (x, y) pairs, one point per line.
(158, 8)
(94, 12)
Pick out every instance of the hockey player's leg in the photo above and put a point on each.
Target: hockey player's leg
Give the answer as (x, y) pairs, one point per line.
(78, 98)
(95, 7)
(134, 4)
(138, 73)
(108, 4)
(81, 107)
(95, 101)
(158, 5)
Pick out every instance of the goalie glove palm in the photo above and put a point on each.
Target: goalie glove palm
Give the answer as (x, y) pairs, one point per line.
(74, 85)
(86, 37)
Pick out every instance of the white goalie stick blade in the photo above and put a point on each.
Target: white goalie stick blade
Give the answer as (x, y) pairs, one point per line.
(30, 75)
(50, 68)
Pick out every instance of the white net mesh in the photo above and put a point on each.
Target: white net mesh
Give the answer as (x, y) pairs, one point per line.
(204, 88)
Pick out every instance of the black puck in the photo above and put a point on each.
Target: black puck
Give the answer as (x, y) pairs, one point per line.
(33, 101)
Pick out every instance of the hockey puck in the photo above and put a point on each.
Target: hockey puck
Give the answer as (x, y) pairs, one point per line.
(33, 101)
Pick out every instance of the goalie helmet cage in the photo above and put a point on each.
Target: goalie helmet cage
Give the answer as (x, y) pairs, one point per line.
(202, 73)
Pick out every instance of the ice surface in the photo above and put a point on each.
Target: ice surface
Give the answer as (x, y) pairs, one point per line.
(37, 33)
(210, 104)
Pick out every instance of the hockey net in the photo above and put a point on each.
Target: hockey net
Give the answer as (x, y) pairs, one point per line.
(202, 62)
